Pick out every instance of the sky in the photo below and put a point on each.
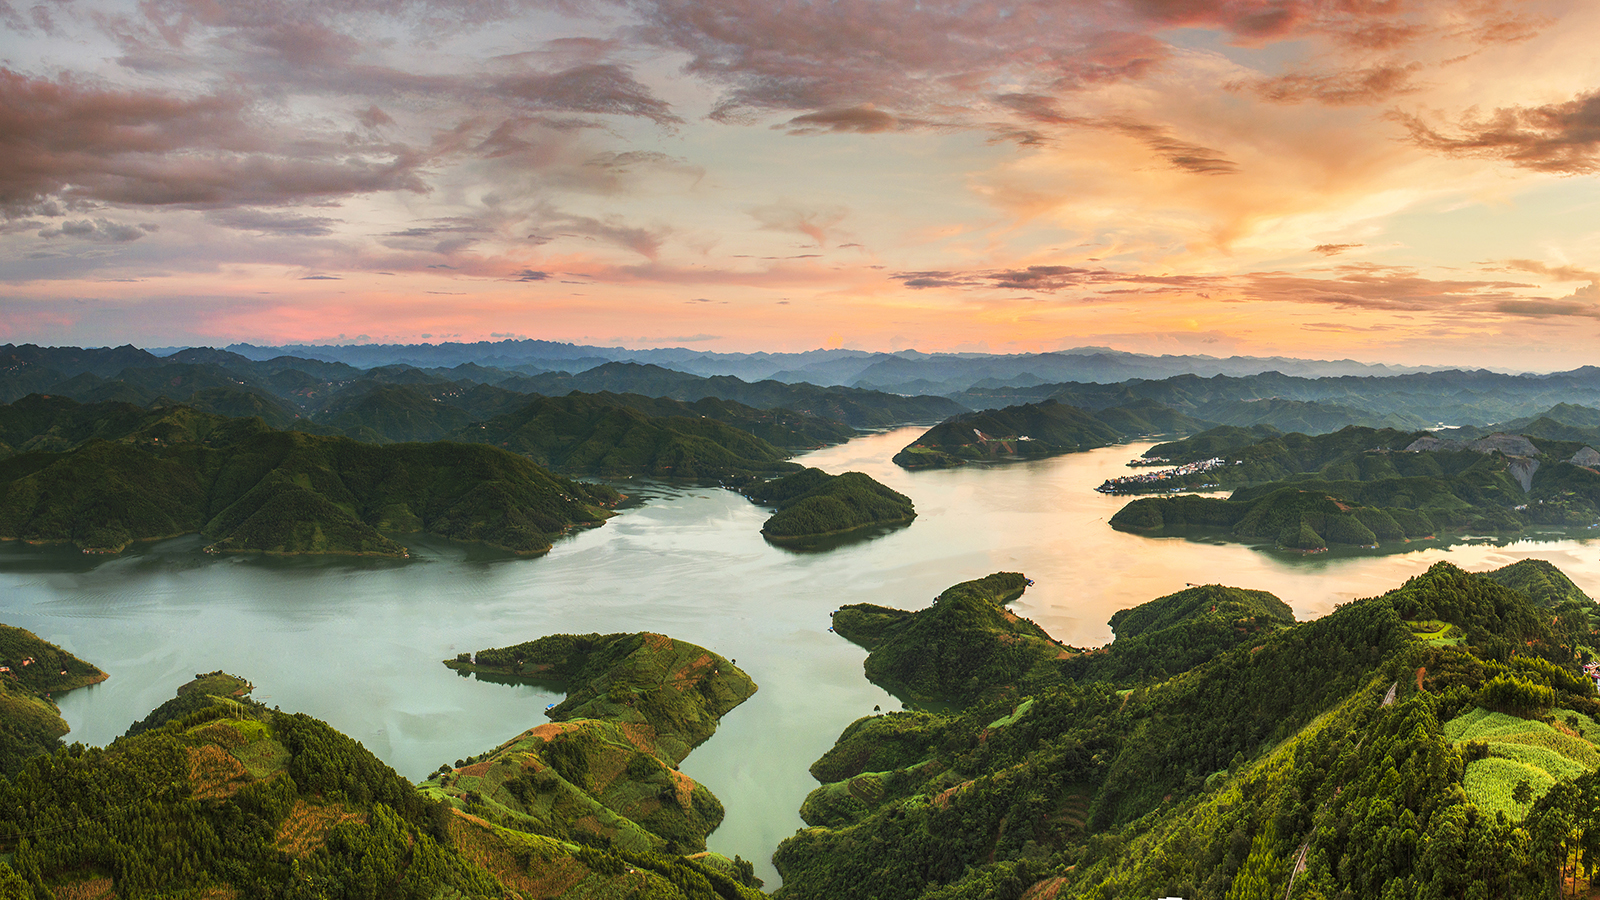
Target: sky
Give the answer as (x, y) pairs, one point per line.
(1388, 181)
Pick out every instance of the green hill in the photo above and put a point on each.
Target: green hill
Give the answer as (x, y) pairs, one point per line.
(812, 504)
(389, 413)
(965, 646)
(1304, 416)
(587, 435)
(1035, 430)
(779, 427)
(604, 770)
(1351, 754)
(32, 671)
(1360, 486)
(856, 407)
(217, 796)
(1290, 517)
(1175, 633)
(248, 488)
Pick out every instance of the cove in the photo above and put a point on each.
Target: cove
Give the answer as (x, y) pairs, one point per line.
(358, 643)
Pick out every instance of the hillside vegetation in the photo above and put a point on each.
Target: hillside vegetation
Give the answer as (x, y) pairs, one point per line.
(1365, 487)
(32, 672)
(214, 795)
(247, 487)
(811, 504)
(1348, 755)
(965, 646)
(1035, 430)
(589, 435)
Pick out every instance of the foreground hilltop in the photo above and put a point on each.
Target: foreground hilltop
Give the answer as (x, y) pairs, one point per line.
(214, 795)
(1434, 741)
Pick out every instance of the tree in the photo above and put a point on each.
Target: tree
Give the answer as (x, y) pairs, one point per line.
(1521, 794)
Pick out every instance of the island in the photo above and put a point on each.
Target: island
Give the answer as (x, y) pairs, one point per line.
(1360, 487)
(1035, 430)
(813, 504)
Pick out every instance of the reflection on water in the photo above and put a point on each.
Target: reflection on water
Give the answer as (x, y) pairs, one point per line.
(359, 642)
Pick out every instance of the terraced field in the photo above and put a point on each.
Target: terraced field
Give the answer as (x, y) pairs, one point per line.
(1522, 750)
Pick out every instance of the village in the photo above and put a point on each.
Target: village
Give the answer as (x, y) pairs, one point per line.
(1135, 484)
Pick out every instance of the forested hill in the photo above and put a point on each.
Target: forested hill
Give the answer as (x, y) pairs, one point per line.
(1451, 397)
(218, 796)
(1361, 487)
(597, 435)
(1435, 741)
(858, 407)
(812, 504)
(1036, 430)
(246, 487)
(32, 673)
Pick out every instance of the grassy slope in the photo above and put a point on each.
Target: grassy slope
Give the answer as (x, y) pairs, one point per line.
(606, 766)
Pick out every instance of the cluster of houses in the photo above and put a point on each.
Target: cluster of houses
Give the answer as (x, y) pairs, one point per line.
(1593, 671)
(1133, 484)
(26, 662)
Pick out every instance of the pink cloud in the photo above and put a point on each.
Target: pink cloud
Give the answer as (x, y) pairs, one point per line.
(1556, 137)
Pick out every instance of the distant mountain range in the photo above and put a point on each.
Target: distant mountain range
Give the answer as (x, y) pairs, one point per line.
(901, 371)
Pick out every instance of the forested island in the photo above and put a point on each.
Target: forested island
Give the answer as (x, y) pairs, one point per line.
(813, 504)
(1364, 487)
(1035, 430)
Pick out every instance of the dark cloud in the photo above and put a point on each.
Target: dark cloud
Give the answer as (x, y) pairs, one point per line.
(1558, 137)
(373, 117)
(1333, 249)
(100, 231)
(858, 119)
(1350, 88)
(320, 278)
(595, 88)
(1355, 286)
(82, 142)
(1367, 34)
(265, 222)
(1181, 154)
(1393, 289)
(1049, 279)
(530, 275)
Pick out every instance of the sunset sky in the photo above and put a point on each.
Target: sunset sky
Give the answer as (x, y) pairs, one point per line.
(1409, 182)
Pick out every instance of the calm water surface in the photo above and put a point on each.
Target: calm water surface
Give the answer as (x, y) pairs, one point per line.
(359, 644)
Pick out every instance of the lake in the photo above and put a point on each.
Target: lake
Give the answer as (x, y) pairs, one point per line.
(359, 643)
